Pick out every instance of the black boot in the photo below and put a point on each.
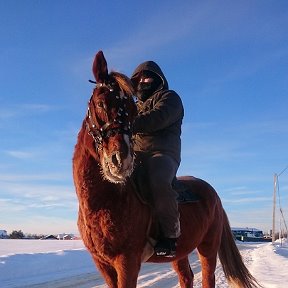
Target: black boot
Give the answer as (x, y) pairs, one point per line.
(166, 247)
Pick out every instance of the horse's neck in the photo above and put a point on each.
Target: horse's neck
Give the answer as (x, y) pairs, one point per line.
(85, 144)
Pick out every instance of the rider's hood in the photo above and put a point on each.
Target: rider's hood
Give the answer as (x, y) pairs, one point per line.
(153, 67)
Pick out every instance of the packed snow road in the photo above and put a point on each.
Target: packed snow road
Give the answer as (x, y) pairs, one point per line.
(63, 264)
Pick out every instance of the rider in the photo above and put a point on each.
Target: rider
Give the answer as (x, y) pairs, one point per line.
(156, 133)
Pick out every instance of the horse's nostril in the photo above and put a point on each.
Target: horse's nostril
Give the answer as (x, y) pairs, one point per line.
(114, 160)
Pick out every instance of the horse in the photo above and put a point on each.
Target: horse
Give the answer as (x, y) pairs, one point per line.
(113, 221)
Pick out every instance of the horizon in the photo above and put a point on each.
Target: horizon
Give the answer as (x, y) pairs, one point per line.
(226, 60)
(77, 234)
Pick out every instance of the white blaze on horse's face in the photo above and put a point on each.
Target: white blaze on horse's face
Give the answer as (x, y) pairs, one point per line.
(115, 167)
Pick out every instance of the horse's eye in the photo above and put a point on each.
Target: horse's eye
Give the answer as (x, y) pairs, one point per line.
(100, 104)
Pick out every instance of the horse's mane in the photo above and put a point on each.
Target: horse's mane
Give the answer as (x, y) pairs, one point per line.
(124, 83)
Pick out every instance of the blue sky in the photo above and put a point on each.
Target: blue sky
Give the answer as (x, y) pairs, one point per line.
(227, 60)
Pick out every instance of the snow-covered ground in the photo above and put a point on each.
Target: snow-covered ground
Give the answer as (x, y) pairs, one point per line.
(54, 263)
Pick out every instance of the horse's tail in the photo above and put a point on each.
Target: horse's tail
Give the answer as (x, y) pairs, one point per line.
(233, 266)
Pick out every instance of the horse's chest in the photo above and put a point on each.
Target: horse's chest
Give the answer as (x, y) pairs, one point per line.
(104, 230)
(108, 224)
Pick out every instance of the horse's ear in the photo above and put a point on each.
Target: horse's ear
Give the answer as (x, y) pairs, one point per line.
(99, 68)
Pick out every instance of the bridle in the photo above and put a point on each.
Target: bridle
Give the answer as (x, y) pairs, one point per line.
(119, 125)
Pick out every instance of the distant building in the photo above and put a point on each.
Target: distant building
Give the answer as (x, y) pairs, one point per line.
(3, 234)
(65, 236)
(49, 237)
(248, 234)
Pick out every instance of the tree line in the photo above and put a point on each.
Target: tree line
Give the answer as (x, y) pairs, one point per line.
(18, 234)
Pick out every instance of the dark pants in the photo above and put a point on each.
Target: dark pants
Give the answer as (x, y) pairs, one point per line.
(161, 171)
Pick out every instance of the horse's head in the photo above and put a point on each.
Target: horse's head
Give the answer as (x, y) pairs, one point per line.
(111, 111)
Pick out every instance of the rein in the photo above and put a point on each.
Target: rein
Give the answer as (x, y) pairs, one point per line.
(120, 123)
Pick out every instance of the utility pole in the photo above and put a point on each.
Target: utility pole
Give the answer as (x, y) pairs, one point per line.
(274, 207)
(274, 203)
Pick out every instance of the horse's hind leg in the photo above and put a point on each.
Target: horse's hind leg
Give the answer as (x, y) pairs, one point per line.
(207, 251)
(208, 265)
(185, 274)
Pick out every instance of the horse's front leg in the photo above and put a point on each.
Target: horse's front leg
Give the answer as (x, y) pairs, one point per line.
(128, 267)
(108, 272)
(185, 274)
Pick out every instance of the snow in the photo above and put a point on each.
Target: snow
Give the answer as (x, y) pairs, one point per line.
(66, 263)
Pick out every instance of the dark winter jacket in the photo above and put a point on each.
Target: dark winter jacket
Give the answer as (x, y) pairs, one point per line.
(157, 128)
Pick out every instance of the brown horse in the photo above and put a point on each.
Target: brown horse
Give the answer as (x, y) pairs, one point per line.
(114, 223)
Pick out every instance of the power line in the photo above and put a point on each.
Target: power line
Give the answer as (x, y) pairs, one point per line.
(283, 170)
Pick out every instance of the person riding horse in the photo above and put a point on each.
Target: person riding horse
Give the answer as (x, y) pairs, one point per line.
(156, 135)
(112, 221)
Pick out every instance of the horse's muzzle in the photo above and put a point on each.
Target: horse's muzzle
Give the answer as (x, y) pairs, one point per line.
(117, 166)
